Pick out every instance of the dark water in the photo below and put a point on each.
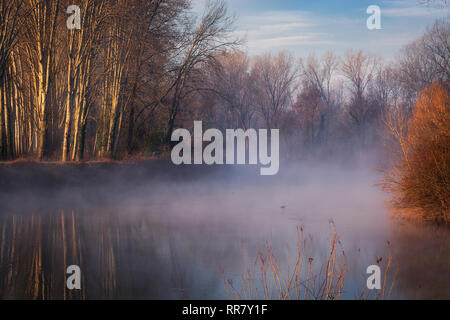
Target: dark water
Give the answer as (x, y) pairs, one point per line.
(155, 231)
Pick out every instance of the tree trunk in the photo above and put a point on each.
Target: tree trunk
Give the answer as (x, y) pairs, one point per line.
(130, 146)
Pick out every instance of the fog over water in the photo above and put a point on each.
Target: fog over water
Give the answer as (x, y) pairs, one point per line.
(153, 230)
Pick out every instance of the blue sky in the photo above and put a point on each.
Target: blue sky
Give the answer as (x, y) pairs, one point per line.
(316, 26)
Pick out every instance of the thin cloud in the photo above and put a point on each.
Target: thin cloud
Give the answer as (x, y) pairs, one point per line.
(411, 12)
(271, 30)
(311, 39)
(305, 29)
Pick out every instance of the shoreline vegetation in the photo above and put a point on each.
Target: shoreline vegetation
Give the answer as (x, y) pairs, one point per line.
(419, 175)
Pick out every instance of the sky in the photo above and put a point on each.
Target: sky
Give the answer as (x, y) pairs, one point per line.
(303, 27)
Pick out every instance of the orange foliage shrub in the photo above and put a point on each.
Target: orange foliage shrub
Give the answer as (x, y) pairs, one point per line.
(420, 176)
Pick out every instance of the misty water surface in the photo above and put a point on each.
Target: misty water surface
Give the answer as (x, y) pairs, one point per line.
(152, 230)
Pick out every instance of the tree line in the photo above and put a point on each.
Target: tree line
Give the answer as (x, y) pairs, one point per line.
(138, 69)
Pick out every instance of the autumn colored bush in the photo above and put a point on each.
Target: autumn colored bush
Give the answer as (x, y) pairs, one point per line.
(420, 174)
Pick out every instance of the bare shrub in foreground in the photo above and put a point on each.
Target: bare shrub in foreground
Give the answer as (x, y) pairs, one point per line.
(420, 173)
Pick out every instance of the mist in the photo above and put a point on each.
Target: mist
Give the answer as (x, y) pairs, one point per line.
(156, 230)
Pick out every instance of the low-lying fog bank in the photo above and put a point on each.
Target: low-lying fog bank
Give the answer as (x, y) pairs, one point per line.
(154, 230)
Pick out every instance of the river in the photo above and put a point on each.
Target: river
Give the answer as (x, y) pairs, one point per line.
(156, 231)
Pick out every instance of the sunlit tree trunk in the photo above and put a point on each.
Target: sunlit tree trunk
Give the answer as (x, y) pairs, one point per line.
(116, 59)
(43, 22)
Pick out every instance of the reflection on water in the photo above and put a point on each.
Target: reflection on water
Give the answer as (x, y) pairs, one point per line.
(177, 239)
(423, 255)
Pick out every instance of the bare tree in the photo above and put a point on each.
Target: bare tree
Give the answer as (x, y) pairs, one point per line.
(81, 51)
(231, 83)
(274, 78)
(200, 45)
(359, 70)
(308, 106)
(426, 59)
(157, 36)
(41, 36)
(317, 79)
(9, 30)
